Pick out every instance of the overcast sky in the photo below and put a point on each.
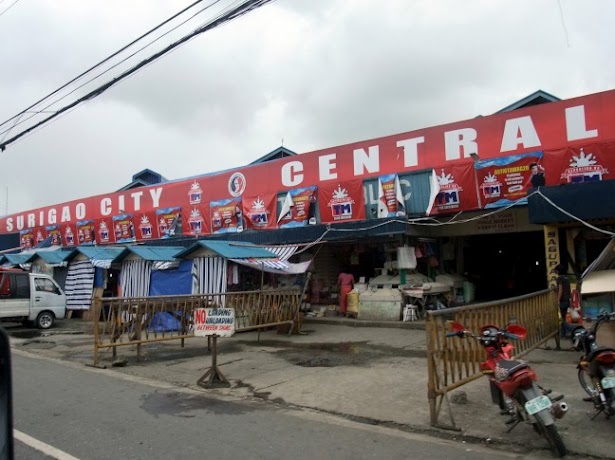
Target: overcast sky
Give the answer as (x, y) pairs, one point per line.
(313, 73)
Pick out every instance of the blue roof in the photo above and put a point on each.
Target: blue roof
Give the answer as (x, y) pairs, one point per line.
(96, 252)
(537, 97)
(230, 250)
(15, 259)
(151, 253)
(51, 257)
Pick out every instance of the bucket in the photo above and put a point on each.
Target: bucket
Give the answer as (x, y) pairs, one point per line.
(353, 302)
(468, 292)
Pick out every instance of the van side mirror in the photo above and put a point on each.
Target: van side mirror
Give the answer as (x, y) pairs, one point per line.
(6, 399)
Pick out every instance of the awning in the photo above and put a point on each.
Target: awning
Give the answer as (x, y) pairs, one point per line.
(281, 265)
(598, 282)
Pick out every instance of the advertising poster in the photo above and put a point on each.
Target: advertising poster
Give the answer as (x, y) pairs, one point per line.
(69, 235)
(390, 197)
(146, 228)
(40, 235)
(214, 321)
(26, 238)
(588, 163)
(104, 233)
(123, 228)
(167, 221)
(259, 211)
(55, 235)
(298, 208)
(196, 220)
(505, 181)
(86, 233)
(342, 202)
(456, 189)
(226, 216)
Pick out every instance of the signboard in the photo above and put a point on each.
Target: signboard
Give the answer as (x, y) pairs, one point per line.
(502, 222)
(571, 123)
(342, 201)
(214, 321)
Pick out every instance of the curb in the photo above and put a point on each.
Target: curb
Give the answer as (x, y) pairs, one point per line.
(414, 325)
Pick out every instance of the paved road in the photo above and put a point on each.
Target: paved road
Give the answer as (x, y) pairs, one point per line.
(92, 414)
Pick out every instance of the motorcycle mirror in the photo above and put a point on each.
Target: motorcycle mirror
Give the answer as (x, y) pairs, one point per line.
(457, 327)
(517, 330)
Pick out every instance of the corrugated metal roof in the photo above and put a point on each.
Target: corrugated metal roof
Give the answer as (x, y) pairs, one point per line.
(151, 253)
(230, 250)
(51, 257)
(96, 252)
(15, 259)
(605, 261)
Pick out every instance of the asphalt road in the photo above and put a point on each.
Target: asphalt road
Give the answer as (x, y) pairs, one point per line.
(89, 413)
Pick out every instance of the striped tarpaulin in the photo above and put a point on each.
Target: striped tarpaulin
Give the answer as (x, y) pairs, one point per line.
(79, 285)
(281, 265)
(209, 276)
(135, 277)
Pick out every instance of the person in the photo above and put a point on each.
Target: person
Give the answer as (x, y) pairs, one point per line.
(345, 284)
(538, 175)
(563, 295)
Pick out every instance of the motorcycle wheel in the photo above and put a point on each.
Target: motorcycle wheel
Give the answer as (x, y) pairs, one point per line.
(555, 440)
(586, 383)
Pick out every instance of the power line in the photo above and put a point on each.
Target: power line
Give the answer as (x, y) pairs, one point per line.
(9, 7)
(149, 32)
(44, 109)
(244, 8)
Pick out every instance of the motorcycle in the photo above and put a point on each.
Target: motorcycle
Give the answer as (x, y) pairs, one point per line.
(514, 385)
(596, 368)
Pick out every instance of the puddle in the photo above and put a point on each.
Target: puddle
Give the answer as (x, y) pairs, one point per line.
(180, 405)
(39, 344)
(25, 334)
(340, 354)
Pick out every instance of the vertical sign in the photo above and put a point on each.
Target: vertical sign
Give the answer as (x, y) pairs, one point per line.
(552, 253)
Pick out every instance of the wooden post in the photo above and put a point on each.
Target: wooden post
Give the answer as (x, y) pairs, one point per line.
(213, 378)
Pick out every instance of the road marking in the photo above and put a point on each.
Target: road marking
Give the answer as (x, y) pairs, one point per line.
(42, 447)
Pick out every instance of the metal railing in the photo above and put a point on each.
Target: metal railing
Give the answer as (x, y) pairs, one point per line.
(454, 362)
(136, 321)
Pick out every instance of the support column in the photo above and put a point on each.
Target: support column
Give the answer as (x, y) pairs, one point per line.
(552, 251)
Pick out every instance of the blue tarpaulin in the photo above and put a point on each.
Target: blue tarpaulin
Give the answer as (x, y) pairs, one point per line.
(166, 322)
(175, 281)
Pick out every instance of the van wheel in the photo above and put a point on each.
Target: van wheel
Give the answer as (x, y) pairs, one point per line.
(45, 320)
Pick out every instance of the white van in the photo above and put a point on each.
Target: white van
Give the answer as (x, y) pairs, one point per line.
(26, 297)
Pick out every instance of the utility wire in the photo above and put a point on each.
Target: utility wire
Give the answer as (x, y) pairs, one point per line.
(44, 109)
(107, 59)
(9, 7)
(240, 10)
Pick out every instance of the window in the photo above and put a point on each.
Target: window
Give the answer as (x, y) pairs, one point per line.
(22, 286)
(45, 285)
(5, 285)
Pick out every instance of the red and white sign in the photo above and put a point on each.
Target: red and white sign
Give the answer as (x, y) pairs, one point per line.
(259, 211)
(214, 321)
(342, 202)
(572, 123)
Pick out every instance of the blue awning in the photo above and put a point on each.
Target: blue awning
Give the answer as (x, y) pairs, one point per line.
(229, 250)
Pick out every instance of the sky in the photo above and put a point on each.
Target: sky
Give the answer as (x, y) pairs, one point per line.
(306, 74)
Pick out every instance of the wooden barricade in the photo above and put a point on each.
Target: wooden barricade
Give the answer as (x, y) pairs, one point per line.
(453, 362)
(125, 321)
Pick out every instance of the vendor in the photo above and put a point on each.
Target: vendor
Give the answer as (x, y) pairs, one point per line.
(345, 284)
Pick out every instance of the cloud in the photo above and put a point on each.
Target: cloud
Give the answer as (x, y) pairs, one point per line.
(309, 73)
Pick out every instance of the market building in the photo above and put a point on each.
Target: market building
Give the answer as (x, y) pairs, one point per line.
(456, 194)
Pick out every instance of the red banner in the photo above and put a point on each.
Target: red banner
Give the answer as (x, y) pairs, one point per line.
(298, 208)
(259, 211)
(40, 234)
(571, 123)
(226, 216)
(146, 227)
(124, 228)
(26, 238)
(341, 201)
(168, 220)
(86, 232)
(69, 238)
(587, 163)
(457, 189)
(504, 181)
(195, 221)
(54, 232)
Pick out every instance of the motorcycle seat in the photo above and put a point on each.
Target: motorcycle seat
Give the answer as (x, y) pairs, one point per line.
(596, 352)
(507, 367)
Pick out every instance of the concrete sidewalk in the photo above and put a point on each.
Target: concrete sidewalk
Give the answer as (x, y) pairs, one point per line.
(376, 375)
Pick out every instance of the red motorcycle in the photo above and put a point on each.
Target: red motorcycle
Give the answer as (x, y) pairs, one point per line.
(596, 367)
(514, 384)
